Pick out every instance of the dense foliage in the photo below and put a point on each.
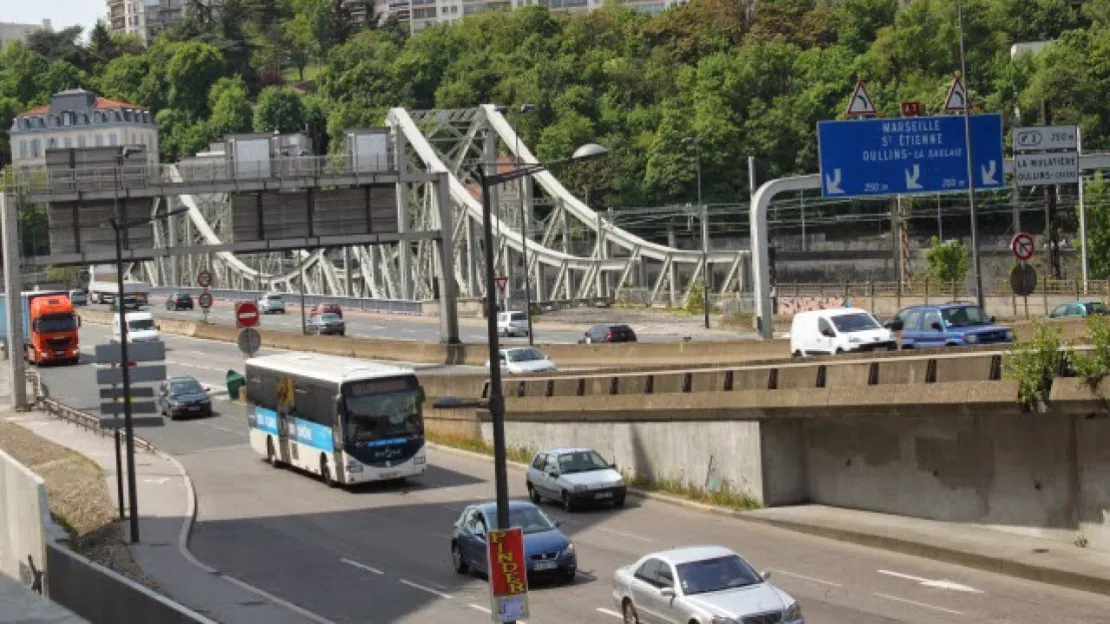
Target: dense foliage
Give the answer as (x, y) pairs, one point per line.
(744, 82)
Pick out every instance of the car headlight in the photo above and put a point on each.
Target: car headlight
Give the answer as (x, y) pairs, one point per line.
(971, 338)
(1010, 335)
(720, 619)
(569, 550)
(793, 612)
(420, 459)
(354, 466)
(580, 488)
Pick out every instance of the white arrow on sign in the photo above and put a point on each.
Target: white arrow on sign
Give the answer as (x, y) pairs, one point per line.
(911, 180)
(988, 173)
(832, 183)
(941, 584)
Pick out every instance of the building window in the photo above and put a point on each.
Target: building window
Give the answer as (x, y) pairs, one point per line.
(112, 139)
(81, 141)
(99, 139)
(23, 149)
(69, 142)
(51, 143)
(36, 147)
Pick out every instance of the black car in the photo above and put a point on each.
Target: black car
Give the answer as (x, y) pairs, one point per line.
(183, 396)
(179, 301)
(609, 332)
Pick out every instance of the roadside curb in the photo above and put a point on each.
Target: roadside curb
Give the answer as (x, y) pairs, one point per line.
(988, 563)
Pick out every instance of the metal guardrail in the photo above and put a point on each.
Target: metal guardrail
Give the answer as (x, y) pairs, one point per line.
(386, 306)
(934, 288)
(69, 414)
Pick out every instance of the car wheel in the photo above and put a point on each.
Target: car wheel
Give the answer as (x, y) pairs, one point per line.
(568, 576)
(271, 456)
(533, 495)
(618, 502)
(457, 560)
(567, 504)
(326, 474)
(629, 611)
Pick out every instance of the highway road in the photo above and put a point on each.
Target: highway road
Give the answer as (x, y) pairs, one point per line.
(380, 554)
(421, 329)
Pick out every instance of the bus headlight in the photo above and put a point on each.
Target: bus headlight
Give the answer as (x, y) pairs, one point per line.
(353, 466)
(419, 459)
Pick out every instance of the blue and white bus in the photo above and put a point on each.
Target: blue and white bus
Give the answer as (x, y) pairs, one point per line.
(347, 420)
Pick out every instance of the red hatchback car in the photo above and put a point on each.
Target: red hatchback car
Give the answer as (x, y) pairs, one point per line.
(327, 307)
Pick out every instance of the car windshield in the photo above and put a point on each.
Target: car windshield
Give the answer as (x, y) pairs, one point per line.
(274, 298)
(328, 318)
(524, 355)
(964, 316)
(717, 574)
(58, 323)
(530, 520)
(383, 415)
(517, 316)
(581, 461)
(848, 323)
(140, 325)
(185, 386)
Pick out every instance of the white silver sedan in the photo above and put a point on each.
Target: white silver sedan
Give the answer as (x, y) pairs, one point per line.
(521, 360)
(701, 584)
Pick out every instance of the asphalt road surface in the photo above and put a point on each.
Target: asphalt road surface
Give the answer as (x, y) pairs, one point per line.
(402, 327)
(381, 554)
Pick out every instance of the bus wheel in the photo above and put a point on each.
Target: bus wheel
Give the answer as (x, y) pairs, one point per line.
(271, 456)
(325, 473)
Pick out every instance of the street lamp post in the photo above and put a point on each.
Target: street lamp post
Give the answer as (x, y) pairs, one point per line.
(496, 398)
(970, 165)
(525, 108)
(703, 211)
(120, 228)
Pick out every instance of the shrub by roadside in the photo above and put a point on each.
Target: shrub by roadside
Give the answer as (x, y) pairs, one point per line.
(79, 500)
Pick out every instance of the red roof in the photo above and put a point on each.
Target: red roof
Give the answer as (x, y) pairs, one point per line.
(102, 103)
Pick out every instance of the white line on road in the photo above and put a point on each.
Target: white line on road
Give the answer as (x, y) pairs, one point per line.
(919, 604)
(806, 578)
(479, 608)
(623, 534)
(609, 612)
(219, 428)
(425, 588)
(362, 566)
(938, 584)
(904, 576)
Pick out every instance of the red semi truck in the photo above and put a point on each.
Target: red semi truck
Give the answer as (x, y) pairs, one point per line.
(50, 325)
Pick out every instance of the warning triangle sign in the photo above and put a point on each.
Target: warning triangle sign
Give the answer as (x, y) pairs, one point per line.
(861, 102)
(956, 100)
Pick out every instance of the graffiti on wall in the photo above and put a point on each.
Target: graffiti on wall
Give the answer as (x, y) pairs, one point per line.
(791, 304)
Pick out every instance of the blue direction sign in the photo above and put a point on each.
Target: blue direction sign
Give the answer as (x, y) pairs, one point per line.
(903, 156)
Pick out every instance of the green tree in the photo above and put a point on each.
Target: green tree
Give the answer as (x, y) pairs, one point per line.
(280, 109)
(21, 70)
(192, 69)
(947, 260)
(9, 106)
(1098, 226)
(123, 79)
(231, 107)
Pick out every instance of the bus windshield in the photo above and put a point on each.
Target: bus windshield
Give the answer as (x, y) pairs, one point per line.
(374, 416)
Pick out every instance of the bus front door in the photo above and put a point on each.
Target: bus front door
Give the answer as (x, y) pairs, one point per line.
(284, 422)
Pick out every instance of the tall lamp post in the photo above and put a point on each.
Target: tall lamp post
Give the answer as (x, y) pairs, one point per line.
(704, 213)
(970, 165)
(525, 108)
(120, 228)
(496, 399)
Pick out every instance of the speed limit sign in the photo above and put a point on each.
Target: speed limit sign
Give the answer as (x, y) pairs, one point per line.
(204, 278)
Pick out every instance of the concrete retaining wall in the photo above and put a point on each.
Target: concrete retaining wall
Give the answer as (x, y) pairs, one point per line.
(24, 516)
(658, 451)
(103, 597)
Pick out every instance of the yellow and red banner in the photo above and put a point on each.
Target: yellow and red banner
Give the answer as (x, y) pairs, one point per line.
(508, 575)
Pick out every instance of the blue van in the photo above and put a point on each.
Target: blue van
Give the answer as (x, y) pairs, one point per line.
(947, 325)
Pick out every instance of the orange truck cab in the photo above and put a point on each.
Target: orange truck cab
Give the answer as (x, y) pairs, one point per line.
(50, 325)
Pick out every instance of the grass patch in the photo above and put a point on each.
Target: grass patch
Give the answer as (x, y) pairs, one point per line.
(725, 497)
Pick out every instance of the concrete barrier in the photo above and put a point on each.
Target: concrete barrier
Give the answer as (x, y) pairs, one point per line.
(102, 596)
(24, 518)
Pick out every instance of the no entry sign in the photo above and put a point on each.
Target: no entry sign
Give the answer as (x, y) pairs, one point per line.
(246, 314)
(1022, 246)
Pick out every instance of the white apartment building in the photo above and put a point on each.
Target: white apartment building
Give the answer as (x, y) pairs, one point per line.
(145, 18)
(419, 14)
(18, 32)
(79, 118)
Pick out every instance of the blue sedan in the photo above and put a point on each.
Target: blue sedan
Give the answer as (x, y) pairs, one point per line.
(548, 550)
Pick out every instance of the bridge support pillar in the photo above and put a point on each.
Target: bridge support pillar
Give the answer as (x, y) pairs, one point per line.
(448, 293)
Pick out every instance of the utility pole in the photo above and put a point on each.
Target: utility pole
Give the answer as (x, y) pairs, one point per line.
(970, 165)
(1050, 208)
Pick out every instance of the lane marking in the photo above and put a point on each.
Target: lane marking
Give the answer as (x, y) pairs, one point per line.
(623, 534)
(806, 578)
(919, 604)
(609, 612)
(434, 592)
(217, 427)
(938, 584)
(479, 608)
(361, 566)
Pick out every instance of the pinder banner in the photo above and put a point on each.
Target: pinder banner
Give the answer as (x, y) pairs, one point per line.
(508, 575)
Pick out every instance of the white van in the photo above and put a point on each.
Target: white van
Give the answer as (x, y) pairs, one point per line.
(512, 323)
(140, 327)
(838, 330)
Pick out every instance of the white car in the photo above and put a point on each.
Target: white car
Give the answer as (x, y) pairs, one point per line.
(271, 303)
(140, 327)
(838, 330)
(519, 360)
(573, 477)
(512, 323)
(703, 584)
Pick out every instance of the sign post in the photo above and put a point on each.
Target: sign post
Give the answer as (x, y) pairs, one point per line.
(508, 575)
(906, 156)
(204, 280)
(1023, 279)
